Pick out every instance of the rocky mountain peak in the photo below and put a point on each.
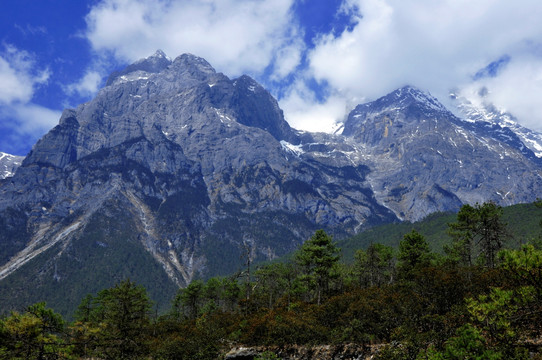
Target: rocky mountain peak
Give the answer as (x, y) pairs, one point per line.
(141, 68)
(8, 164)
(405, 105)
(190, 60)
(256, 107)
(481, 113)
(409, 97)
(184, 166)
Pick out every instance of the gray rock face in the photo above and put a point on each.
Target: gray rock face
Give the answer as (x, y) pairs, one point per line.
(201, 162)
(486, 116)
(425, 159)
(8, 164)
(181, 162)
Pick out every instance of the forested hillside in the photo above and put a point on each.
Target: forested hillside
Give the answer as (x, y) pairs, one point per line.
(474, 299)
(522, 222)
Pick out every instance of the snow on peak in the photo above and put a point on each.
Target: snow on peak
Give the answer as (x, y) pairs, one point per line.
(476, 109)
(8, 164)
(297, 150)
(408, 93)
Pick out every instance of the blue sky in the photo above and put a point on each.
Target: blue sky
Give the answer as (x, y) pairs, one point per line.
(318, 57)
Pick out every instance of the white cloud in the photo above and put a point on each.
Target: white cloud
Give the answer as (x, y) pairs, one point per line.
(19, 79)
(304, 111)
(517, 89)
(435, 45)
(26, 123)
(236, 36)
(34, 120)
(18, 76)
(88, 85)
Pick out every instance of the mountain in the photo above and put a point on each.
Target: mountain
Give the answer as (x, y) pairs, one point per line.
(485, 114)
(424, 159)
(8, 164)
(175, 172)
(169, 174)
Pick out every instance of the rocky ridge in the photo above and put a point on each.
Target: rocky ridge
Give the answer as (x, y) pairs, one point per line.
(187, 168)
(425, 159)
(199, 165)
(8, 164)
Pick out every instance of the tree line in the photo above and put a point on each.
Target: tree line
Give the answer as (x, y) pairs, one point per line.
(474, 301)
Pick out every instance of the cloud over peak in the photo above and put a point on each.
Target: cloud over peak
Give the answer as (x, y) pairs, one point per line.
(236, 36)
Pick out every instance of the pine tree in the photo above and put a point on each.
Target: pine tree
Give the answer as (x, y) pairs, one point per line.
(479, 226)
(319, 256)
(121, 314)
(413, 253)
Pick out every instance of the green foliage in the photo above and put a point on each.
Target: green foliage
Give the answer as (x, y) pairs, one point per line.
(375, 266)
(38, 333)
(523, 268)
(319, 257)
(118, 321)
(413, 254)
(191, 297)
(267, 355)
(522, 219)
(433, 228)
(275, 281)
(480, 226)
(467, 344)
(416, 306)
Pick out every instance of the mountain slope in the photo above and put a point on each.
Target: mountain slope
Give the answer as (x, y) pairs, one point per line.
(424, 159)
(173, 171)
(193, 168)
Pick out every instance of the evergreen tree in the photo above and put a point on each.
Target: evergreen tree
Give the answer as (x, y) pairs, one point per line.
(413, 253)
(318, 256)
(120, 319)
(375, 265)
(38, 333)
(462, 233)
(479, 225)
(191, 298)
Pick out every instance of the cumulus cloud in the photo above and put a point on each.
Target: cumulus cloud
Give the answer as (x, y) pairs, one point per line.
(88, 85)
(304, 111)
(435, 45)
(19, 79)
(517, 89)
(236, 36)
(18, 75)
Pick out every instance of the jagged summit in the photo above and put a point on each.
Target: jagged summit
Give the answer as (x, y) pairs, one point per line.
(411, 103)
(426, 159)
(193, 61)
(141, 68)
(8, 164)
(173, 169)
(403, 98)
(485, 114)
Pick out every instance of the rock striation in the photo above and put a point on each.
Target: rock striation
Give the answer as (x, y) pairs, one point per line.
(178, 160)
(425, 159)
(173, 169)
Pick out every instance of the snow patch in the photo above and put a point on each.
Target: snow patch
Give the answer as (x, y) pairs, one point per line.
(535, 146)
(297, 150)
